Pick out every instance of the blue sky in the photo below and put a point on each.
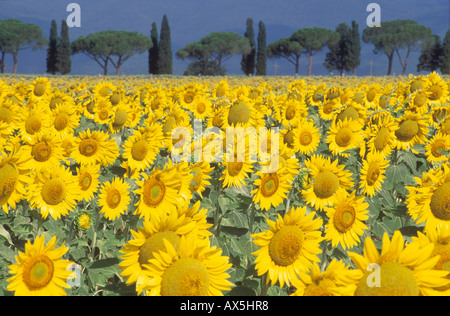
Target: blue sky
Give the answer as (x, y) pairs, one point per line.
(190, 20)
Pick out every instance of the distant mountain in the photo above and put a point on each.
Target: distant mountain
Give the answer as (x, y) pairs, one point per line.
(190, 20)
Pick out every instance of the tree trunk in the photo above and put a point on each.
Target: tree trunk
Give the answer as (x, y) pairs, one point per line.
(354, 71)
(2, 63)
(310, 64)
(297, 64)
(390, 57)
(16, 57)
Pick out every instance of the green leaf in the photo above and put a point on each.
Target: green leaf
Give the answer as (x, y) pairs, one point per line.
(4, 233)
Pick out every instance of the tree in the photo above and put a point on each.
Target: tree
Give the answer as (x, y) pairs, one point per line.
(217, 47)
(153, 51)
(287, 49)
(248, 60)
(165, 48)
(16, 36)
(338, 56)
(445, 57)
(261, 56)
(64, 62)
(431, 52)
(52, 48)
(313, 40)
(210, 69)
(394, 36)
(103, 46)
(354, 48)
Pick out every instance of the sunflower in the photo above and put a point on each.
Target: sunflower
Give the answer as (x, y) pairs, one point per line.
(346, 218)
(40, 88)
(45, 151)
(429, 202)
(193, 269)
(271, 189)
(241, 113)
(13, 179)
(316, 94)
(322, 283)
(200, 177)
(39, 270)
(221, 90)
(381, 136)
(141, 149)
(373, 173)
(114, 198)
(327, 179)
(292, 112)
(435, 146)
(104, 90)
(158, 192)
(122, 117)
(34, 120)
(88, 181)
(440, 238)
(290, 246)
(95, 147)
(402, 270)
(57, 97)
(345, 135)
(235, 173)
(148, 239)
(436, 89)
(412, 129)
(10, 113)
(54, 191)
(197, 215)
(418, 102)
(327, 110)
(102, 112)
(201, 107)
(306, 138)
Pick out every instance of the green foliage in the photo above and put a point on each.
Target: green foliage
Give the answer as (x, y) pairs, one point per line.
(52, 48)
(394, 36)
(16, 35)
(430, 58)
(261, 56)
(287, 49)
(153, 51)
(195, 69)
(248, 60)
(103, 46)
(445, 57)
(64, 62)
(313, 40)
(217, 47)
(165, 49)
(336, 58)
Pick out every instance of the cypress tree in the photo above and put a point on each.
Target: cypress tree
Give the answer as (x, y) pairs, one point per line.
(338, 58)
(354, 48)
(445, 57)
(248, 60)
(64, 62)
(261, 58)
(153, 52)
(52, 46)
(165, 49)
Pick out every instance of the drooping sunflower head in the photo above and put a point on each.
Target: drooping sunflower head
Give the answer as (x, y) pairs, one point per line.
(412, 129)
(40, 88)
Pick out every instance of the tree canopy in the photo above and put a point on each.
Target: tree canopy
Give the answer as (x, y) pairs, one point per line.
(394, 36)
(313, 40)
(287, 49)
(15, 36)
(217, 47)
(103, 46)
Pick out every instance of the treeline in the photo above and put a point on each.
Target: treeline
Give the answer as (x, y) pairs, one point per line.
(396, 39)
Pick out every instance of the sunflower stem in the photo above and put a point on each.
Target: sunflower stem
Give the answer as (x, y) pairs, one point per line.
(94, 238)
(264, 285)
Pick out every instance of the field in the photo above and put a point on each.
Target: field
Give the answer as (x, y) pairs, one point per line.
(94, 202)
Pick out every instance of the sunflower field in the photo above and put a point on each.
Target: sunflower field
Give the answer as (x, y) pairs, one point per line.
(92, 202)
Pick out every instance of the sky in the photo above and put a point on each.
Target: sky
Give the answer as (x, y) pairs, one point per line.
(190, 20)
